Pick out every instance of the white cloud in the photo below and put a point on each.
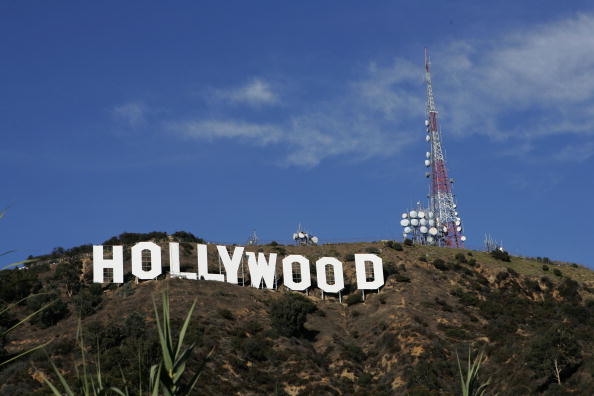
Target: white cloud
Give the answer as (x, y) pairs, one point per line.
(255, 93)
(132, 113)
(576, 152)
(515, 88)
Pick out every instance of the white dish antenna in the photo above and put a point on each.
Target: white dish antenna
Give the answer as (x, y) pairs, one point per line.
(430, 214)
(404, 222)
(295, 236)
(462, 238)
(427, 138)
(413, 214)
(423, 229)
(431, 222)
(430, 239)
(314, 239)
(458, 222)
(404, 215)
(458, 228)
(427, 163)
(426, 122)
(427, 155)
(423, 222)
(421, 214)
(407, 230)
(414, 222)
(433, 231)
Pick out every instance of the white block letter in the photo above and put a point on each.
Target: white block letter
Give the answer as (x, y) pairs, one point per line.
(174, 269)
(137, 269)
(321, 265)
(231, 264)
(203, 266)
(261, 269)
(378, 271)
(303, 269)
(116, 264)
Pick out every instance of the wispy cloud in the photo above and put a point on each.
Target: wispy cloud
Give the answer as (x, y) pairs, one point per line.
(256, 92)
(514, 88)
(131, 113)
(576, 152)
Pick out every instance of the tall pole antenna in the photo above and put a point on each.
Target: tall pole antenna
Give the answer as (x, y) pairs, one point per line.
(441, 197)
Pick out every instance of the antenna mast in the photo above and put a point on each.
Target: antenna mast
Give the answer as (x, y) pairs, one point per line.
(441, 198)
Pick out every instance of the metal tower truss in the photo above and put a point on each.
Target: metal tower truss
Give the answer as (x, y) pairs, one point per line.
(441, 199)
(446, 226)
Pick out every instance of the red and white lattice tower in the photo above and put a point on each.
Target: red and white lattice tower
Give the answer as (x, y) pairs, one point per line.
(441, 198)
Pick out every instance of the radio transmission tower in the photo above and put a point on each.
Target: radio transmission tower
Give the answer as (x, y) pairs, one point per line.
(441, 198)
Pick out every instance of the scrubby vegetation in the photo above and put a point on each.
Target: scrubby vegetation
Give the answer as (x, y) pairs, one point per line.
(534, 327)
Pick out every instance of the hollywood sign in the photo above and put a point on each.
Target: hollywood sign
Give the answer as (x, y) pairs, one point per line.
(262, 267)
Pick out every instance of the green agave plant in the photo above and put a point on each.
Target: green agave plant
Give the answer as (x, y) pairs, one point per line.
(469, 381)
(165, 378)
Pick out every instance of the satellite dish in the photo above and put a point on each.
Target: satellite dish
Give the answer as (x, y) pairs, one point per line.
(423, 222)
(455, 206)
(404, 235)
(404, 215)
(413, 214)
(458, 222)
(295, 236)
(407, 230)
(427, 163)
(458, 228)
(455, 213)
(430, 214)
(427, 138)
(462, 238)
(404, 222)
(445, 229)
(431, 222)
(421, 214)
(423, 229)
(430, 239)
(433, 231)
(428, 155)
(414, 222)
(314, 239)
(426, 122)
(301, 235)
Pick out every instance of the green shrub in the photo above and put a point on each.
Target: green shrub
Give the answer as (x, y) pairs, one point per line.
(288, 314)
(460, 257)
(402, 278)
(372, 249)
(440, 264)
(557, 272)
(226, 314)
(501, 276)
(512, 271)
(349, 257)
(55, 311)
(423, 259)
(408, 242)
(545, 267)
(501, 255)
(88, 300)
(354, 299)
(273, 243)
(393, 245)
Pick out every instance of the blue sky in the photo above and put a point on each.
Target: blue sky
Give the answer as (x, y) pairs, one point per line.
(219, 118)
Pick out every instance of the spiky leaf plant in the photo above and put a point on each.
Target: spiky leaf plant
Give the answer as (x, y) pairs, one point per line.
(470, 382)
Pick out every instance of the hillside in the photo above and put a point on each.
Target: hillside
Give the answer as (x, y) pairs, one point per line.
(524, 314)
